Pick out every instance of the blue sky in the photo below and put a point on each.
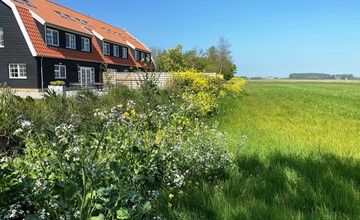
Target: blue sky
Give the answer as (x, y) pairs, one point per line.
(267, 37)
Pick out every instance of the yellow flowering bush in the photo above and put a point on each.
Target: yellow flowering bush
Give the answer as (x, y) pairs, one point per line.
(201, 92)
(233, 86)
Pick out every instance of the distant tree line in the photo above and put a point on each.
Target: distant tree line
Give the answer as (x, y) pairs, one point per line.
(320, 76)
(215, 59)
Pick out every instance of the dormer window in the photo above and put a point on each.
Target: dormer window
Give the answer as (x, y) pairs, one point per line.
(52, 37)
(142, 56)
(106, 48)
(2, 37)
(116, 51)
(136, 55)
(124, 53)
(70, 41)
(85, 44)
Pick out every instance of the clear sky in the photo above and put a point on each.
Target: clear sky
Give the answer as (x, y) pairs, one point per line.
(267, 37)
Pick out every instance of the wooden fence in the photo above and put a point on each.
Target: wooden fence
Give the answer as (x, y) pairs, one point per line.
(134, 79)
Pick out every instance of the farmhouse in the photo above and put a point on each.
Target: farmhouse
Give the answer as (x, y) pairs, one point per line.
(41, 41)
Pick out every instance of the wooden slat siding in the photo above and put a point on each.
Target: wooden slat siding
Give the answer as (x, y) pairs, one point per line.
(16, 51)
(133, 80)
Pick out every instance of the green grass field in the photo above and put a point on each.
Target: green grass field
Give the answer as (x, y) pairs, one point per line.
(298, 155)
(295, 117)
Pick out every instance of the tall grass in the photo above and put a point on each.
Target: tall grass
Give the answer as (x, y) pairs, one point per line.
(296, 117)
(297, 147)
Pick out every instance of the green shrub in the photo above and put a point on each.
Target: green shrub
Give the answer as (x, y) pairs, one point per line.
(118, 171)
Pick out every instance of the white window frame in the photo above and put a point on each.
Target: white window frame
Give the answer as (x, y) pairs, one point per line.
(57, 71)
(18, 71)
(116, 51)
(2, 41)
(50, 38)
(90, 78)
(85, 44)
(124, 53)
(106, 48)
(137, 55)
(70, 41)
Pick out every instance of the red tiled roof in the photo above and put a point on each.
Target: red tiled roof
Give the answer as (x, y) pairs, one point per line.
(76, 22)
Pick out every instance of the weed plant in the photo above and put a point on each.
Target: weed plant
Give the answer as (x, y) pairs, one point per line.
(108, 157)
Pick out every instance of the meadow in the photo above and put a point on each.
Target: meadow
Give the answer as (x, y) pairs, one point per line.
(203, 148)
(297, 149)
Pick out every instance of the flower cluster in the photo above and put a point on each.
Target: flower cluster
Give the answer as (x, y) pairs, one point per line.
(201, 93)
(119, 171)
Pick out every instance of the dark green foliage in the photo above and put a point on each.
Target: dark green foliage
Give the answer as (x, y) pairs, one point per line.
(216, 59)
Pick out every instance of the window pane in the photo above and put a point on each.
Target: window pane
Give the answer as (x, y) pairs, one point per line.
(85, 44)
(82, 44)
(52, 37)
(116, 51)
(63, 72)
(49, 38)
(73, 41)
(70, 41)
(17, 71)
(124, 52)
(106, 48)
(1, 37)
(55, 38)
(60, 71)
(67, 37)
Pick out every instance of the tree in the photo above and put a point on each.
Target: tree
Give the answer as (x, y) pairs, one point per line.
(216, 59)
(212, 60)
(225, 63)
(194, 59)
(171, 60)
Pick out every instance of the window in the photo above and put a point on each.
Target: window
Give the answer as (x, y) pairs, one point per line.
(60, 71)
(2, 37)
(124, 53)
(17, 71)
(148, 58)
(136, 55)
(86, 75)
(116, 51)
(142, 56)
(106, 48)
(65, 15)
(52, 37)
(83, 22)
(70, 41)
(85, 44)
(111, 70)
(28, 3)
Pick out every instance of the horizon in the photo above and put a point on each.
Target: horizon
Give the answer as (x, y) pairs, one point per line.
(268, 38)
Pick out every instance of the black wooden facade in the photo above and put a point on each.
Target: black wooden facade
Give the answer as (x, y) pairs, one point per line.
(16, 51)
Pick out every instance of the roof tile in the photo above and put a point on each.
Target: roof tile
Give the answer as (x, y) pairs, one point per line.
(62, 17)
